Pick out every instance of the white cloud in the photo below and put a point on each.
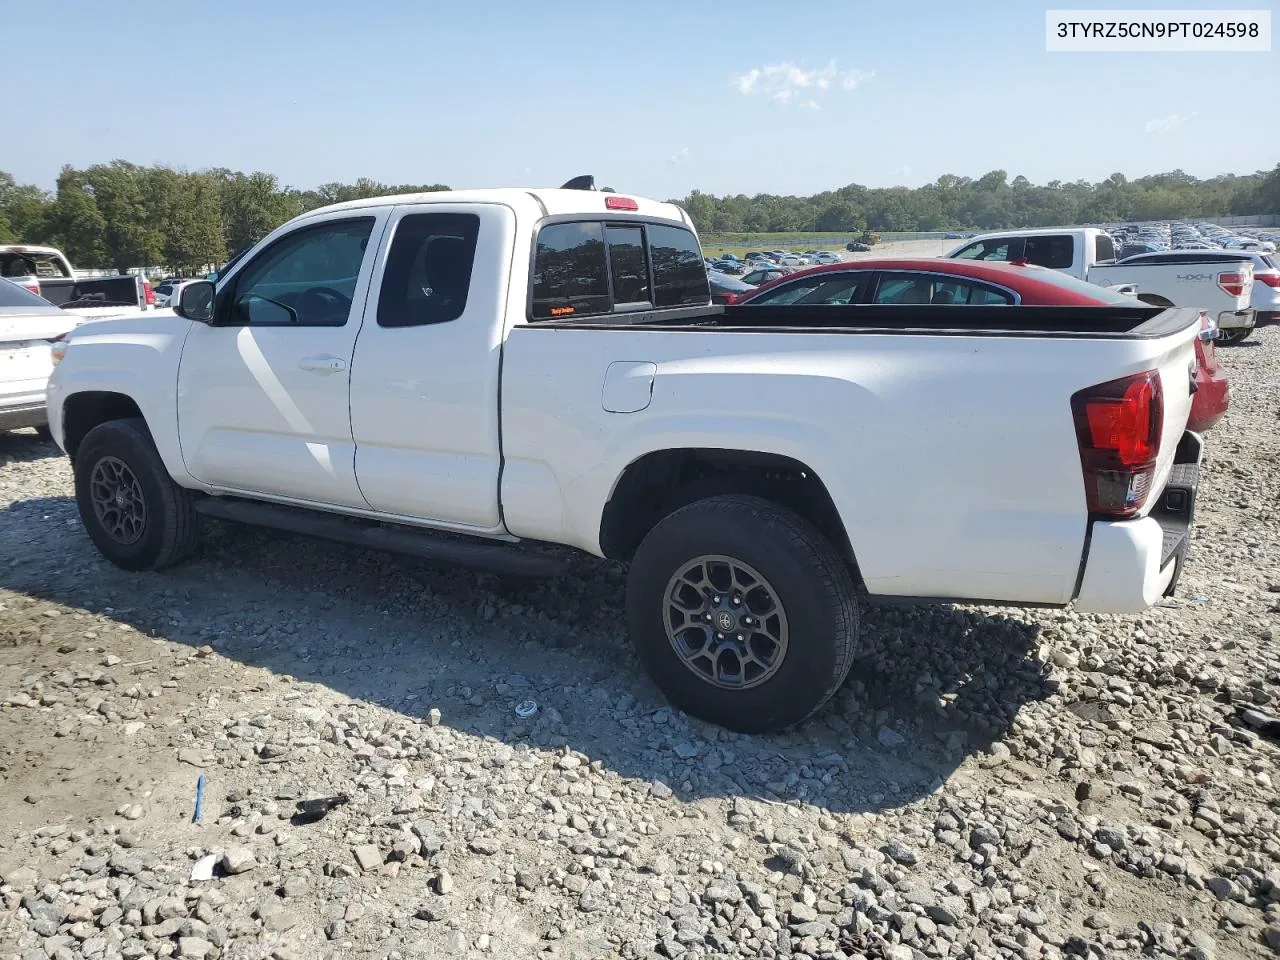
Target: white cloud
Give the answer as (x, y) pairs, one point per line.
(680, 156)
(785, 84)
(1166, 124)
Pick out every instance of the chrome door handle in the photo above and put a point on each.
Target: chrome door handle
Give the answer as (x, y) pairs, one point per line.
(323, 364)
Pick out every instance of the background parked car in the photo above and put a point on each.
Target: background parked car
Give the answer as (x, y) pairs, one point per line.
(29, 324)
(983, 283)
(1265, 298)
(760, 275)
(726, 289)
(1213, 391)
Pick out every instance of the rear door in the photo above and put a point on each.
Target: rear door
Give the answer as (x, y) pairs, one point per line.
(424, 383)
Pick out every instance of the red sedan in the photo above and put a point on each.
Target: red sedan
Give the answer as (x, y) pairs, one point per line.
(977, 283)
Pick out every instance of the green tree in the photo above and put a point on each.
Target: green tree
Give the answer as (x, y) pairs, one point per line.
(24, 211)
(193, 235)
(131, 236)
(74, 222)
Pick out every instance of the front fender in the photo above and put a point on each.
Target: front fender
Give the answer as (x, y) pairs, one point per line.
(139, 360)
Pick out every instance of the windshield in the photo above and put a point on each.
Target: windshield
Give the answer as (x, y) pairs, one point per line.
(12, 295)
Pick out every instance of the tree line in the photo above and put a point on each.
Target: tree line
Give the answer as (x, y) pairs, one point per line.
(121, 215)
(991, 202)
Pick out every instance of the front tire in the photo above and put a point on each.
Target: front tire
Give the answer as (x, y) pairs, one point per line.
(743, 614)
(134, 513)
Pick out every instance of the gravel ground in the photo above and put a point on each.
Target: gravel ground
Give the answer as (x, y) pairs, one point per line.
(991, 784)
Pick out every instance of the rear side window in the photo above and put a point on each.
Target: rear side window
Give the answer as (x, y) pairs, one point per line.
(1056, 253)
(932, 288)
(1104, 248)
(42, 265)
(428, 272)
(679, 275)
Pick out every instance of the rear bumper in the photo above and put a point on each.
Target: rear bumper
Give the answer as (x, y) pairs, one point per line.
(1130, 564)
(19, 412)
(1237, 319)
(1210, 402)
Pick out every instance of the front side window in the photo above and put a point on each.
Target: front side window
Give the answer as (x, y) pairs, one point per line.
(1056, 253)
(570, 273)
(308, 278)
(1000, 249)
(428, 272)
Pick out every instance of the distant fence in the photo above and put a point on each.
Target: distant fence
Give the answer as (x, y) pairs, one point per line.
(1258, 220)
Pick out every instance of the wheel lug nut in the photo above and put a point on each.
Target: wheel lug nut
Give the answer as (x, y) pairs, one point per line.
(739, 638)
(719, 636)
(715, 599)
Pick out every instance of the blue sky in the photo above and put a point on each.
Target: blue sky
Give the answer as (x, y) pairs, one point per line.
(655, 98)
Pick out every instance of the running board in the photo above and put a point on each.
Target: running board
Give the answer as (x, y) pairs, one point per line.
(443, 548)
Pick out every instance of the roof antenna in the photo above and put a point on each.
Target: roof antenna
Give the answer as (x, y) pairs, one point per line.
(584, 182)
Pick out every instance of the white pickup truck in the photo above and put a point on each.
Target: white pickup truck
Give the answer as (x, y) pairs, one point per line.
(1224, 290)
(471, 376)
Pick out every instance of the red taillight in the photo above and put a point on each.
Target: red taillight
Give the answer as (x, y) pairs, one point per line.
(730, 298)
(33, 285)
(613, 202)
(1270, 279)
(1232, 284)
(151, 294)
(1118, 427)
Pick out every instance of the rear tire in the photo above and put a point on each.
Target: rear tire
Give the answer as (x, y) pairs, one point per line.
(759, 673)
(134, 513)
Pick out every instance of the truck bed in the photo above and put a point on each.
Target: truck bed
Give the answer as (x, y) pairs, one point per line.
(71, 294)
(1126, 323)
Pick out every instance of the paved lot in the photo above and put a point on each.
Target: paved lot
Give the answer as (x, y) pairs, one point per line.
(991, 784)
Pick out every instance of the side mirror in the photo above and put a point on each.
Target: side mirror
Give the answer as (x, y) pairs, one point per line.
(195, 301)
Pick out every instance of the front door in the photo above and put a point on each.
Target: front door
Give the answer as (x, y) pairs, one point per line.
(263, 391)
